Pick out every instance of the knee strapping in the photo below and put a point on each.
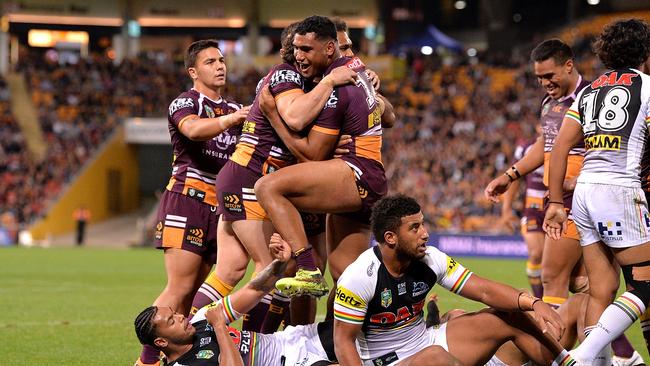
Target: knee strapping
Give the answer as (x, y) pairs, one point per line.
(637, 279)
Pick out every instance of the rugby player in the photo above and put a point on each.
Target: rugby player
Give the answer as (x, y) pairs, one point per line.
(244, 228)
(610, 208)
(356, 178)
(203, 129)
(380, 300)
(531, 220)
(554, 67)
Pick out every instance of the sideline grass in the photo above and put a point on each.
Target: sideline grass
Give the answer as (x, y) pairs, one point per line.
(75, 306)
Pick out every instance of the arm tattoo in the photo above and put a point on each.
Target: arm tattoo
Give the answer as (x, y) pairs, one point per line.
(265, 280)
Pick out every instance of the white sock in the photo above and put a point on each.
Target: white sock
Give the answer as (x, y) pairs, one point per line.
(563, 359)
(616, 318)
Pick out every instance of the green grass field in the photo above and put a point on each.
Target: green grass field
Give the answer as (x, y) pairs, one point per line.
(75, 306)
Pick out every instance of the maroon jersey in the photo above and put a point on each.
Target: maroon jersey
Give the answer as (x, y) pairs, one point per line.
(352, 109)
(260, 148)
(196, 163)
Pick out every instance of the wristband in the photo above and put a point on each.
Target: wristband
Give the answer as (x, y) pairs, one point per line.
(531, 300)
(556, 202)
(514, 170)
(297, 252)
(509, 177)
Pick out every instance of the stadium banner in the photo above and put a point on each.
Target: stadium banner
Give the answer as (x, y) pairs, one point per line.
(476, 245)
(152, 131)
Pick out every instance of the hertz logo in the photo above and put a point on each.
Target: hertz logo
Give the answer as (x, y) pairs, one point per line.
(603, 142)
(232, 199)
(345, 296)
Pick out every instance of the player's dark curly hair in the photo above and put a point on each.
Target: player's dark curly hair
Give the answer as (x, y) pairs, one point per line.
(553, 48)
(196, 47)
(322, 27)
(144, 327)
(387, 214)
(286, 40)
(623, 44)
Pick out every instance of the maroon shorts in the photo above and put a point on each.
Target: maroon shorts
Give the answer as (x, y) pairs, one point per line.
(186, 223)
(371, 184)
(314, 223)
(236, 193)
(532, 221)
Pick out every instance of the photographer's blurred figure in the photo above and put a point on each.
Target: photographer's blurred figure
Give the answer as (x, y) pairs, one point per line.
(81, 215)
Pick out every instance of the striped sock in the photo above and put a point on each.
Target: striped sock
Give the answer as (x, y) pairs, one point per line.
(563, 359)
(534, 272)
(554, 301)
(279, 305)
(616, 318)
(213, 289)
(255, 318)
(645, 327)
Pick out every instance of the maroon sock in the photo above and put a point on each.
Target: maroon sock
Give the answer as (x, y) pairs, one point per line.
(275, 315)
(200, 300)
(622, 347)
(538, 290)
(149, 355)
(305, 260)
(255, 318)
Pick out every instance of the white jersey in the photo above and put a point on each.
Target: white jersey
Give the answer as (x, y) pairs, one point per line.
(614, 111)
(294, 346)
(390, 309)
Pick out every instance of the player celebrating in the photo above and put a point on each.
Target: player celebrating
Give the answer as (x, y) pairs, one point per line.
(610, 209)
(203, 129)
(356, 179)
(380, 299)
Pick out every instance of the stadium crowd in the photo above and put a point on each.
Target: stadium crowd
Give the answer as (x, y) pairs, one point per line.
(438, 105)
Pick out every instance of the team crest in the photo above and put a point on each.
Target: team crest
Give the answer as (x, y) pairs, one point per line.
(205, 354)
(545, 109)
(386, 298)
(209, 111)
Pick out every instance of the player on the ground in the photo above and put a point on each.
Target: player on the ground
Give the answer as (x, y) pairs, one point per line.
(531, 220)
(554, 67)
(203, 129)
(356, 178)
(609, 206)
(380, 300)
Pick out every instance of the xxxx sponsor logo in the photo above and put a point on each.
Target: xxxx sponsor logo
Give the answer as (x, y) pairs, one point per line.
(195, 236)
(159, 230)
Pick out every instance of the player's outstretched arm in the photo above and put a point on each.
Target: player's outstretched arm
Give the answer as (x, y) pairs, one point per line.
(531, 161)
(554, 219)
(252, 293)
(298, 110)
(314, 146)
(203, 129)
(228, 355)
(503, 297)
(345, 335)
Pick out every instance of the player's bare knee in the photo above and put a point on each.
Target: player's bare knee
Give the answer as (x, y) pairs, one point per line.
(263, 187)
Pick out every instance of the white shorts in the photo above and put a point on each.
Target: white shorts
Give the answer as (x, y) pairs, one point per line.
(299, 345)
(614, 214)
(436, 335)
